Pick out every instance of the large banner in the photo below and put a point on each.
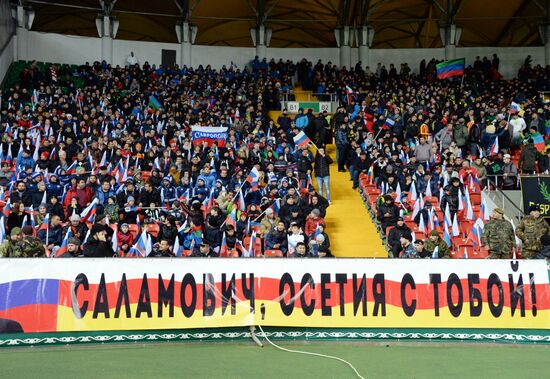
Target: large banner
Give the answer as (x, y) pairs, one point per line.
(43, 295)
(535, 190)
(200, 134)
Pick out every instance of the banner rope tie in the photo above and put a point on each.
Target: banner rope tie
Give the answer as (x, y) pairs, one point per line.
(310, 353)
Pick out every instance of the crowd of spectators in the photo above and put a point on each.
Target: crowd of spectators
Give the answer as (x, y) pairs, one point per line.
(86, 171)
(417, 146)
(103, 162)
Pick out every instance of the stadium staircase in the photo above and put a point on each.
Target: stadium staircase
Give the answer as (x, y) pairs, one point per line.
(350, 228)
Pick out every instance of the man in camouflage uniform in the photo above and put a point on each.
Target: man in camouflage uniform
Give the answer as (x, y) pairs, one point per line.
(435, 240)
(9, 248)
(409, 250)
(498, 236)
(29, 245)
(530, 230)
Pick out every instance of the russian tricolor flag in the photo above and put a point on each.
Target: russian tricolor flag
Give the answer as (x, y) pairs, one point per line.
(89, 212)
(142, 248)
(72, 168)
(514, 108)
(223, 247)
(63, 249)
(253, 178)
(45, 223)
(231, 218)
(301, 139)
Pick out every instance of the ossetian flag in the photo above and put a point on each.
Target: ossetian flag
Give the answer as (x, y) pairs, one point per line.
(209, 134)
(449, 69)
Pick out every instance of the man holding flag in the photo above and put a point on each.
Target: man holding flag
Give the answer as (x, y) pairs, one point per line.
(437, 244)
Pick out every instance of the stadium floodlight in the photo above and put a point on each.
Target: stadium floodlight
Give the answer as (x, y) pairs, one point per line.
(370, 35)
(178, 31)
(115, 23)
(99, 26)
(20, 17)
(253, 36)
(343, 36)
(30, 18)
(194, 31)
(450, 35)
(364, 36)
(268, 33)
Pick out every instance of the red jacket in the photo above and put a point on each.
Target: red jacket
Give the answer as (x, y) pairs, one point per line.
(83, 200)
(311, 225)
(124, 239)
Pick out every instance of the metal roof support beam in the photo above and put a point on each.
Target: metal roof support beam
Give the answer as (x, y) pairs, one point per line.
(508, 27)
(365, 4)
(107, 6)
(344, 12)
(261, 36)
(183, 7)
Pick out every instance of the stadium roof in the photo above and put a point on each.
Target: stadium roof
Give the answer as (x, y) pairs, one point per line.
(304, 23)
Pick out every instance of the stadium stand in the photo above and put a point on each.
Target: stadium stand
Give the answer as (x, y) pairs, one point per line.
(104, 159)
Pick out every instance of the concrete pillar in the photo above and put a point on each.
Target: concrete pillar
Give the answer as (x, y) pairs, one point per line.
(186, 37)
(22, 41)
(364, 37)
(450, 36)
(261, 37)
(364, 56)
(343, 37)
(107, 49)
(450, 52)
(107, 28)
(24, 19)
(345, 56)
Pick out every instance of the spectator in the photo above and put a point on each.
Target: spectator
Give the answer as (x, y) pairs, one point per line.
(322, 172)
(203, 250)
(125, 238)
(97, 245)
(509, 174)
(313, 220)
(528, 158)
(530, 230)
(419, 246)
(435, 242)
(394, 236)
(269, 221)
(78, 228)
(73, 248)
(10, 247)
(16, 216)
(498, 236)
(341, 147)
(407, 247)
(388, 213)
(161, 249)
(276, 238)
(296, 236)
(544, 253)
(300, 251)
(53, 236)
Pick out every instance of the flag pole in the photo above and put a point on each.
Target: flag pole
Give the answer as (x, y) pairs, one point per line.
(260, 215)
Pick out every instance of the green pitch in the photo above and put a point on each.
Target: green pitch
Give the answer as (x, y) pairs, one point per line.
(240, 360)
